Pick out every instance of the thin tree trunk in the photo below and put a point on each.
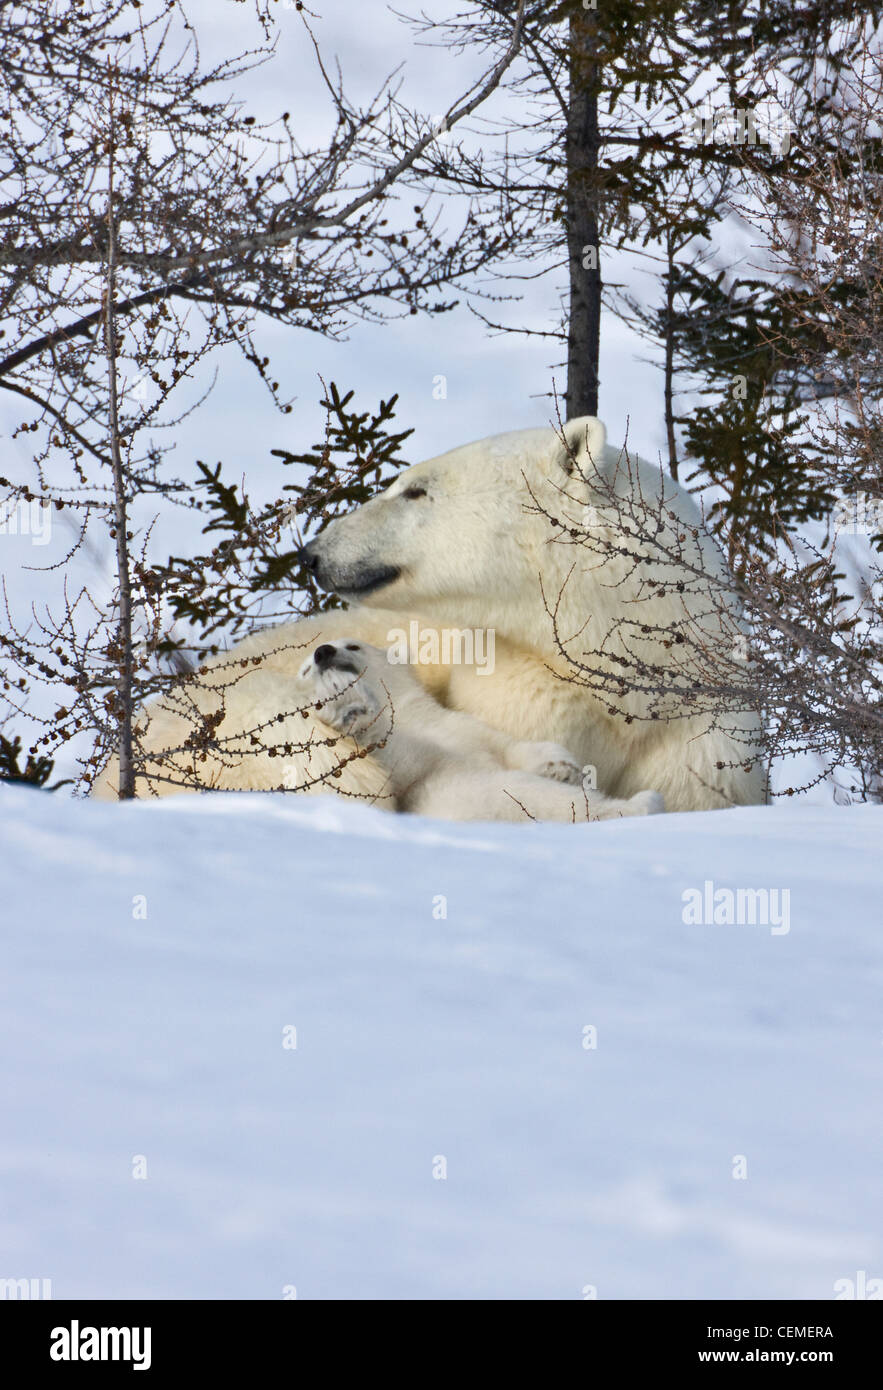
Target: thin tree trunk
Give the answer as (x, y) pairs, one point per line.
(124, 700)
(670, 359)
(581, 155)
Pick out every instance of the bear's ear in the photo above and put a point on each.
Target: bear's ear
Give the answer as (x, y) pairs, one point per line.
(579, 450)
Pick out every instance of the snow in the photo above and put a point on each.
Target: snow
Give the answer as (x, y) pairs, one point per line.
(159, 1038)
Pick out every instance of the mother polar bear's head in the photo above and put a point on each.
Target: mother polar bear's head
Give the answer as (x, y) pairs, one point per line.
(470, 529)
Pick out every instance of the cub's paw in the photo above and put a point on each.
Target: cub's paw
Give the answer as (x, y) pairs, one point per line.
(646, 804)
(352, 717)
(549, 760)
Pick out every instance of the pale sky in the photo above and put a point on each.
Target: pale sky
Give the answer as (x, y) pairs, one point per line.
(494, 383)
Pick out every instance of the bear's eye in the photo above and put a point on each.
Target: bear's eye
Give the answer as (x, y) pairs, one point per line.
(412, 492)
(353, 647)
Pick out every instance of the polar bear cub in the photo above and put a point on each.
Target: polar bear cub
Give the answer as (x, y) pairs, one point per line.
(440, 762)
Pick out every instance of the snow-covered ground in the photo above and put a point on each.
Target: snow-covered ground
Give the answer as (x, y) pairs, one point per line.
(157, 956)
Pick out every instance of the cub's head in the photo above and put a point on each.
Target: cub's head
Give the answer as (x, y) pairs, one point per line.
(333, 667)
(466, 528)
(352, 683)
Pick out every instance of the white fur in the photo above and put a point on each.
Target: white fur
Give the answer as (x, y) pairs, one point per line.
(442, 763)
(477, 551)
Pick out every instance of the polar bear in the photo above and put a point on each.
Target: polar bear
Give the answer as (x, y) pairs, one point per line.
(501, 538)
(490, 536)
(440, 762)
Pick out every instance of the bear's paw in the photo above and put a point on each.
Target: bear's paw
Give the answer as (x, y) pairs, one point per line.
(549, 760)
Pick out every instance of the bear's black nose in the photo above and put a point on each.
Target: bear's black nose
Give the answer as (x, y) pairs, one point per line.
(308, 558)
(323, 655)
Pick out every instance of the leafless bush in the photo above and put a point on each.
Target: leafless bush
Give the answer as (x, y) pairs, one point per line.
(149, 223)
